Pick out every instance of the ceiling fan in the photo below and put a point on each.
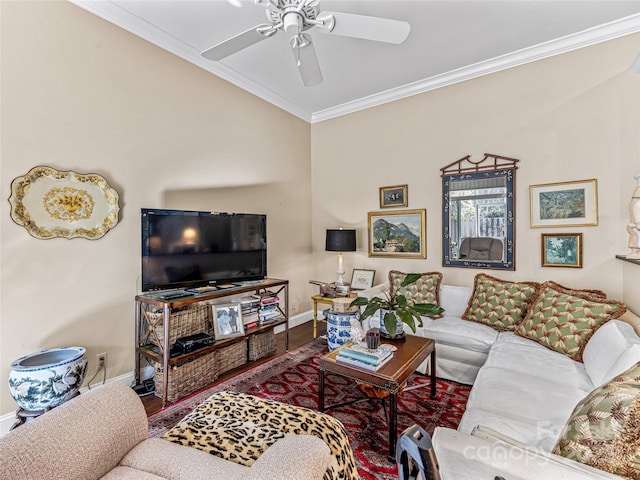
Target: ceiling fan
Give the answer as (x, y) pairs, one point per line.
(295, 17)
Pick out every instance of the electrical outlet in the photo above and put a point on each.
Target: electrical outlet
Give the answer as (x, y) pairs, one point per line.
(294, 305)
(101, 358)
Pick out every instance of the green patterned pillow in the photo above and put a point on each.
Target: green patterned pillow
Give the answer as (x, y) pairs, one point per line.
(564, 320)
(424, 290)
(499, 303)
(604, 428)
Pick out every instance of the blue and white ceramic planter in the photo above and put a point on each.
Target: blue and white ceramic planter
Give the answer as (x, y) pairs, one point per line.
(339, 328)
(47, 378)
(383, 329)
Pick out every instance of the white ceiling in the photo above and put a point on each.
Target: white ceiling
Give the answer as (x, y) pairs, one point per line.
(450, 41)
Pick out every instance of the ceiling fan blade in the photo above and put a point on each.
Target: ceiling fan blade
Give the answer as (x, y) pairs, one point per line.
(307, 60)
(362, 26)
(239, 42)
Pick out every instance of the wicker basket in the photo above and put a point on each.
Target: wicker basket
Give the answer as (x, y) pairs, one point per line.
(186, 378)
(233, 356)
(188, 321)
(261, 344)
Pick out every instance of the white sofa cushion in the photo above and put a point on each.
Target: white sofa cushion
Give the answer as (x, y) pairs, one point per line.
(460, 333)
(525, 391)
(613, 349)
(454, 299)
(485, 454)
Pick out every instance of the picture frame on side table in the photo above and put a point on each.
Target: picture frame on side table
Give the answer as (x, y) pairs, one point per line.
(567, 204)
(562, 250)
(399, 234)
(227, 321)
(362, 279)
(396, 196)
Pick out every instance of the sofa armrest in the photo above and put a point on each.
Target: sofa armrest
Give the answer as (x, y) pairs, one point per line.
(486, 454)
(293, 458)
(81, 439)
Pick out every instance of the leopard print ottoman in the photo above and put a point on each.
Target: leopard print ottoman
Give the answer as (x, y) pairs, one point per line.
(239, 428)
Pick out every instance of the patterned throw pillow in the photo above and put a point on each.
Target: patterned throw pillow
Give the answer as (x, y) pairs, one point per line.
(499, 303)
(424, 290)
(593, 294)
(604, 428)
(564, 321)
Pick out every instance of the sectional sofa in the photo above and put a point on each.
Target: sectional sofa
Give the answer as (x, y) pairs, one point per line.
(555, 375)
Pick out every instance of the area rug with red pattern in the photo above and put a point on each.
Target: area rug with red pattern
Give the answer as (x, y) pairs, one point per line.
(293, 378)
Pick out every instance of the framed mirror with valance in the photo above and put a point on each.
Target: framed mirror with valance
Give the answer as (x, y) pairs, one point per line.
(478, 213)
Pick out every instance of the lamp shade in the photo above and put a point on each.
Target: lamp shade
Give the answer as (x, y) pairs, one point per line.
(341, 241)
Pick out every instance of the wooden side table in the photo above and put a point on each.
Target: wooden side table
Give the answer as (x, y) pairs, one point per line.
(316, 300)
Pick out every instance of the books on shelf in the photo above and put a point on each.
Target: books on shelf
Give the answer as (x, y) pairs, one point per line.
(365, 365)
(268, 307)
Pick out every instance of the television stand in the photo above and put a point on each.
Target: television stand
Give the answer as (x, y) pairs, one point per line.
(159, 319)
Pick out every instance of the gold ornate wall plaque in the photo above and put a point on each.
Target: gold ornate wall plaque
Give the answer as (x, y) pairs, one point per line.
(50, 203)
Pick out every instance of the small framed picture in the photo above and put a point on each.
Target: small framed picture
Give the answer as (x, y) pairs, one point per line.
(227, 321)
(562, 250)
(362, 279)
(396, 196)
(568, 204)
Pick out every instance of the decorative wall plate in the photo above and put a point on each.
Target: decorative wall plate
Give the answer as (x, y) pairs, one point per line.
(50, 203)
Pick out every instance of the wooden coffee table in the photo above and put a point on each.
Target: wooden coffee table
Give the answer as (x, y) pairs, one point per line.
(412, 351)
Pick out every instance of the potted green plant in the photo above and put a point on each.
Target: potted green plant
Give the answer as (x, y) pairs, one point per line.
(397, 309)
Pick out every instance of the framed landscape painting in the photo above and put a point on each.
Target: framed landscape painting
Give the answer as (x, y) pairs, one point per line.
(568, 204)
(562, 250)
(398, 234)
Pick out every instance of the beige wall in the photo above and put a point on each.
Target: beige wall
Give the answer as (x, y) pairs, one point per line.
(79, 93)
(570, 117)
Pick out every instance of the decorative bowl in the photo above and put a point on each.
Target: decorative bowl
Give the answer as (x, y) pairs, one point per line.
(47, 378)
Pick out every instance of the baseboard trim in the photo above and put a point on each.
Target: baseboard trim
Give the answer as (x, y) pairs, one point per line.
(7, 420)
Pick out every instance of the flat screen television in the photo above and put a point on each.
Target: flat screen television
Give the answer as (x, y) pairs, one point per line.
(183, 248)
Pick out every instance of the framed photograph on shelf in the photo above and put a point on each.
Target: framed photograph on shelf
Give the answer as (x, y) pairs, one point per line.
(227, 321)
(568, 204)
(400, 234)
(396, 196)
(562, 250)
(362, 279)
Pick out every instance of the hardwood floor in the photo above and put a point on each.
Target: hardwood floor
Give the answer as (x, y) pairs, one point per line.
(297, 336)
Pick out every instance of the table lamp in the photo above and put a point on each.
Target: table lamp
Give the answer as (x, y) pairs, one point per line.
(340, 241)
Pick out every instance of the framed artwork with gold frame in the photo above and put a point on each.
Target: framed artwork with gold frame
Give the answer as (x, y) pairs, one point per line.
(400, 234)
(396, 196)
(562, 250)
(566, 204)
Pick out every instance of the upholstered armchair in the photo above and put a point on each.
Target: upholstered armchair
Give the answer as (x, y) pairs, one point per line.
(481, 248)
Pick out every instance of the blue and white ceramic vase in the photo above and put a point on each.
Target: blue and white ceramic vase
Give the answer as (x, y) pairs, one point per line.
(47, 378)
(339, 328)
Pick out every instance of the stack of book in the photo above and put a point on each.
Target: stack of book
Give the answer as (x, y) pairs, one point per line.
(269, 307)
(250, 308)
(359, 355)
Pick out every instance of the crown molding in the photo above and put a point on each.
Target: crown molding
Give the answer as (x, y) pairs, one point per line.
(117, 15)
(592, 36)
(139, 27)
